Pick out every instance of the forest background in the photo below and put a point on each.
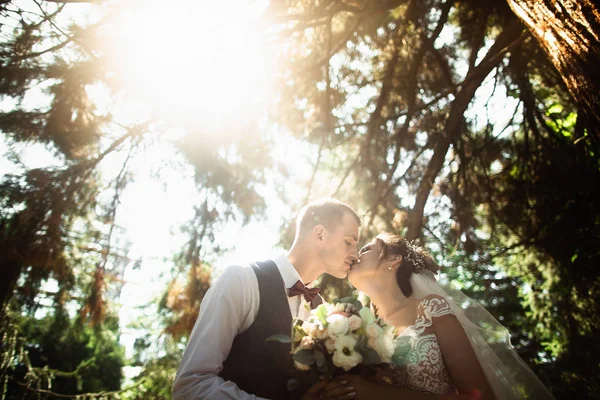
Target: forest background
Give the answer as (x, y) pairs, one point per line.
(145, 146)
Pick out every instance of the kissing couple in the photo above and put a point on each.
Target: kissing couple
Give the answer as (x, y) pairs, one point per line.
(451, 355)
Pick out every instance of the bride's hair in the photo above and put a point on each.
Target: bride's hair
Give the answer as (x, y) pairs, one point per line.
(414, 259)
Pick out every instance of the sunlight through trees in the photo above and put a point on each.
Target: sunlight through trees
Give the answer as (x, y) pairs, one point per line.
(470, 127)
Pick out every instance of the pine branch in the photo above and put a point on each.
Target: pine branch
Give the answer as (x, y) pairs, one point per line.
(343, 7)
(333, 51)
(114, 204)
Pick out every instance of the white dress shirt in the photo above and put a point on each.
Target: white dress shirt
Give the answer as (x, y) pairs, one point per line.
(228, 309)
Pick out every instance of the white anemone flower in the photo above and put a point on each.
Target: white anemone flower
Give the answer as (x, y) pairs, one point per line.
(345, 356)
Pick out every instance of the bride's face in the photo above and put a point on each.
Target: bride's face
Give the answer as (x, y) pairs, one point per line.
(369, 258)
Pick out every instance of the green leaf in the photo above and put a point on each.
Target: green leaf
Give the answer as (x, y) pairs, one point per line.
(570, 121)
(320, 359)
(361, 344)
(328, 368)
(367, 316)
(279, 338)
(555, 109)
(352, 300)
(321, 313)
(371, 357)
(402, 349)
(306, 357)
(293, 384)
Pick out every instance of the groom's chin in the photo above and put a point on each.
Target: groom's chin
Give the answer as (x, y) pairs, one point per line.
(352, 279)
(349, 278)
(340, 274)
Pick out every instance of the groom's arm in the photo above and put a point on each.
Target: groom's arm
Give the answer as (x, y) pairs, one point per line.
(228, 308)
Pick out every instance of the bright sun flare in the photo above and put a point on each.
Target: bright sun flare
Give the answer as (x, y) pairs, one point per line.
(193, 59)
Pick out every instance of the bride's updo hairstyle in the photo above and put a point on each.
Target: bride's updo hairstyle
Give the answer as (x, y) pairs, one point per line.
(414, 259)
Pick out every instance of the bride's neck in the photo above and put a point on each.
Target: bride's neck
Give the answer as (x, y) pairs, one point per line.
(394, 308)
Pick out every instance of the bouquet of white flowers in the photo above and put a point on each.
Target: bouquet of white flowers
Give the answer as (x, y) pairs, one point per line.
(340, 336)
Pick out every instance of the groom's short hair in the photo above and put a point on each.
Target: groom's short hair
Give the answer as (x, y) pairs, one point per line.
(326, 211)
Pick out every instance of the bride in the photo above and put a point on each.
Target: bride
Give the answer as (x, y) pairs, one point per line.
(448, 344)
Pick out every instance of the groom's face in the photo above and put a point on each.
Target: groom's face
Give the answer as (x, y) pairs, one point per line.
(340, 247)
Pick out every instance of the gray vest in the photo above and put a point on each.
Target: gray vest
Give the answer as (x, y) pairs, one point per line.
(256, 366)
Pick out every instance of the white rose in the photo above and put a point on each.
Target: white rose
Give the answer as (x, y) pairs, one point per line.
(384, 346)
(314, 330)
(307, 327)
(339, 307)
(344, 356)
(307, 343)
(301, 367)
(354, 322)
(330, 307)
(374, 331)
(338, 325)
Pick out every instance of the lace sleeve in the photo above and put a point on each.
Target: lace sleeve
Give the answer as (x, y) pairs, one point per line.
(434, 306)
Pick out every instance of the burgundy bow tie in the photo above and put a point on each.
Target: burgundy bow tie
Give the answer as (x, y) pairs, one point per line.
(299, 288)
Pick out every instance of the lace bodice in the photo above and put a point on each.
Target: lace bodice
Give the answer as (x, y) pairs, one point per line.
(418, 353)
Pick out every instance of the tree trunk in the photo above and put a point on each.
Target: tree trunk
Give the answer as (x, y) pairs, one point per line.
(569, 32)
(11, 268)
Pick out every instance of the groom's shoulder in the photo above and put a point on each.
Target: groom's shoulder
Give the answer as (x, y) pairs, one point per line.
(236, 269)
(236, 273)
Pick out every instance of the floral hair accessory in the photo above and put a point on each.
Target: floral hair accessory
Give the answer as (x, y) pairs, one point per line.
(419, 258)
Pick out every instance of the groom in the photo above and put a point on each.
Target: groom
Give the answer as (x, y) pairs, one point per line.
(227, 356)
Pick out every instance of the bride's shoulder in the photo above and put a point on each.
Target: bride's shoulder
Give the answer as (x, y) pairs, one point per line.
(433, 305)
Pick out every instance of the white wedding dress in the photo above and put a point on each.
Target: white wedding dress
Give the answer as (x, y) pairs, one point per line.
(420, 363)
(418, 360)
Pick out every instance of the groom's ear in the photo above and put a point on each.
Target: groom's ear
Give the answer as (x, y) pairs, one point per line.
(318, 233)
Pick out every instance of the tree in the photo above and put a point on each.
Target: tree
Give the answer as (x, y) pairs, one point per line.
(41, 208)
(60, 355)
(442, 121)
(569, 32)
(60, 222)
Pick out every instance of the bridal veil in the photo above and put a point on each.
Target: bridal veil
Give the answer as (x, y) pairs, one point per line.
(506, 372)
